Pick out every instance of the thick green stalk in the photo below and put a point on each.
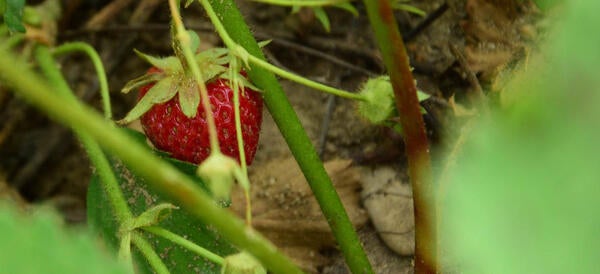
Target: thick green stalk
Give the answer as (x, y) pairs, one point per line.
(417, 147)
(164, 177)
(299, 143)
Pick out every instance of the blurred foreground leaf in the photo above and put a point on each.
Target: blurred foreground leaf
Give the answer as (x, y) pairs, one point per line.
(39, 244)
(525, 197)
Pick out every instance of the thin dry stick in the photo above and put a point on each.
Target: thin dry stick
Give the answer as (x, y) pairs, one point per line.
(480, 98)
(107, 13)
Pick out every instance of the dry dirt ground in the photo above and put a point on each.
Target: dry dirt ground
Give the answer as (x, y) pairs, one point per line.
(458, 48)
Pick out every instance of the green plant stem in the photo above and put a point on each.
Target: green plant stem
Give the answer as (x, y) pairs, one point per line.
(297, 139)
(97, 62)
(244, 55)
(13, 40)
(303, 81)
(148, 251)
(233, 70)
(392, 48)
(159, 231)
(190, 60)
(103, 168)
(164, 177)
(97, 157)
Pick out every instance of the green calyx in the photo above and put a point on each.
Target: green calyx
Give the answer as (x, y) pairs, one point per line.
(379, 104)
(171, 78)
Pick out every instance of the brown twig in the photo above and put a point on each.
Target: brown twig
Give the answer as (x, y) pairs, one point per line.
(478, 97)
(107, 13)
(437, 13)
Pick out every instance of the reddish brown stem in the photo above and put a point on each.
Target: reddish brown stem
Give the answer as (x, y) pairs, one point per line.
(417, 147)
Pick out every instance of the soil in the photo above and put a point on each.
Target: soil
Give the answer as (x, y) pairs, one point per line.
(457, 54)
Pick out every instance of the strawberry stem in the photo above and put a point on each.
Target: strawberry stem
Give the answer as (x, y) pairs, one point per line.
(234, 84)
(149, 253)
(97, 62)
(185, 42)
(241, 53)
(103, 168)
(189, 245)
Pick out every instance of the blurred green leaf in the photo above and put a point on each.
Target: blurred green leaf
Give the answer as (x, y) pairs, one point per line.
(141, 197)
(13, 13)
(524, 196)
(38, 243)
(321, 15)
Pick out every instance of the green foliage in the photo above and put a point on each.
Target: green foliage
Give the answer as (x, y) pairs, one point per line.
(140, 198)
(12, 11)
(37, 243)
(524, 198)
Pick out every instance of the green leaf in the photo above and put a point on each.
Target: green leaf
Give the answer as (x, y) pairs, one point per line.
(264, 43)
(39, 243)
(347, 6)
(141, 81)
(195, 40)
(321, 15)
(409, 8)
(13, 13)
(170, 65)
(140, 198)
(162, 92)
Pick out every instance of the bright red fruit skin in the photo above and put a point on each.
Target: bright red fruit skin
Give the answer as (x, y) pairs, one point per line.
(187, 139)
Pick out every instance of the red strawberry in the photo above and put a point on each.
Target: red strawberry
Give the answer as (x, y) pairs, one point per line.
(173, 117)
(187, 139)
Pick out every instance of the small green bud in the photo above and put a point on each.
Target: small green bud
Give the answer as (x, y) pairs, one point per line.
(242, 263)
(219, 172)
(378, 105)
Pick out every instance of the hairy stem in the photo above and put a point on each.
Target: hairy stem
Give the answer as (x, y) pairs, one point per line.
(148, 251)
(417, 147)
(99, 160)
(191, 246)
(159, 174)
(184, 40)
(97, 62)
(297, 139)
(103, 168)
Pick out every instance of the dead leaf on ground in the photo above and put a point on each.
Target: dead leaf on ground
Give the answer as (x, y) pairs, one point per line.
(286, 212)
(495, 34)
